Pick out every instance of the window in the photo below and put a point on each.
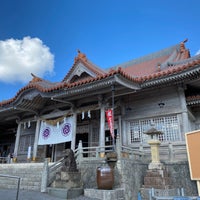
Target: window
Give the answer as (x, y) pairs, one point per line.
(169, 125)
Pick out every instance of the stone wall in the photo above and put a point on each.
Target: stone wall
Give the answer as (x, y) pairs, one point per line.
(181, 177)
(89, 172)
(129, 174)
(132, 173)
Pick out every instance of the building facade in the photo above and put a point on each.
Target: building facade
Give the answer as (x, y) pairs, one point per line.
(160, 89)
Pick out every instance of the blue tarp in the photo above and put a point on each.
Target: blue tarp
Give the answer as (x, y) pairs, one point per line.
(139, 196)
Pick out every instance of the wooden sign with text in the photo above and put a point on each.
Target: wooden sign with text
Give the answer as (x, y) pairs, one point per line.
(193, 152)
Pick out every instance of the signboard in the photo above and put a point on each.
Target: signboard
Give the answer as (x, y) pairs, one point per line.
(193, 152)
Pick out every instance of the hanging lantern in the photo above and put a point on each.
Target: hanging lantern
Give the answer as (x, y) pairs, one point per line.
(89, 114)
(83, 115)
(29, 124)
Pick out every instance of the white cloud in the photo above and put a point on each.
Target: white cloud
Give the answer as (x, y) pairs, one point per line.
(198, 52)
(20, 58)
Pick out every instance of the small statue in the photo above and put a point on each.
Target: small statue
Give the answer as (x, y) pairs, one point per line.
(70, 162)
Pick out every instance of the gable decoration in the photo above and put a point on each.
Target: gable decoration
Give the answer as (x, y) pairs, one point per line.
(56, 133)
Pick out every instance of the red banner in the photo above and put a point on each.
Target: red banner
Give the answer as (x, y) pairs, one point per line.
(110, 120)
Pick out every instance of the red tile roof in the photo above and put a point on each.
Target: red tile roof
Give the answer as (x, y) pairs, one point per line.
(162, 64)
(152, 63)
(145, 68)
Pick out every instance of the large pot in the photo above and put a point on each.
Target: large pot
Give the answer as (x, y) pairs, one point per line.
(105, 178)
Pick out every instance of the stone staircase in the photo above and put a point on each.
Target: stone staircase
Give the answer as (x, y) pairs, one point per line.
(30, 174)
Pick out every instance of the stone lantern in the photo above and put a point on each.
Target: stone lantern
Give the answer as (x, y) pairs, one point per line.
(156, 175)
(154, 145)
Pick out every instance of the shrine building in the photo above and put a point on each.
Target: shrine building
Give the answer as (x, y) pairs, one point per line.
(161, 89)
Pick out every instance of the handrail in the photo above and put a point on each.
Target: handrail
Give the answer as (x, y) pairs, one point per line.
(49, 172)
(53, 168)
(93, 151)
(18, 182)
(99, 152)
(106, 149)
(56, 164)
(168, 151)
(131, 150)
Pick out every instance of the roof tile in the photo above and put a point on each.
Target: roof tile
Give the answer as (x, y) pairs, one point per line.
(138, 71)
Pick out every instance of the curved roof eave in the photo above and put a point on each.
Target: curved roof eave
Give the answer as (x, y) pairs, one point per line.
(174, 75)
(100, 81)
(177, 74)
(97, 85)
(193, 100)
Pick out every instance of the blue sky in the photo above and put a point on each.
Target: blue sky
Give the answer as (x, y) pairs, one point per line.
(42, 36)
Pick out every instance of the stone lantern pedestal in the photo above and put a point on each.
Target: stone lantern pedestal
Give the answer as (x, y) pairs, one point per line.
(155, 156)
(156, 176)
(155, 146)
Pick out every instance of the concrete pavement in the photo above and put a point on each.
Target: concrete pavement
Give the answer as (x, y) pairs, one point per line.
(8, 194)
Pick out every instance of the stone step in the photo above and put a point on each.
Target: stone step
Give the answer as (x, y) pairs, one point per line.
(64, 184)
(10, 184)
(157, 186)
(116, 194)
(30, 174)
(65, 193)
(157, 181)
(67, 180)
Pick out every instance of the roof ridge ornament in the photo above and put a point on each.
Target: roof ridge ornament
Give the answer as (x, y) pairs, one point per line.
(35, 79)
(183, 50)
(184, 41)
(81, 56)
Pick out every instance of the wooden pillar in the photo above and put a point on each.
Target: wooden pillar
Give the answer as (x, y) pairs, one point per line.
(17, 142)
(73, 143)
(185, 124)
(37, 132)
(102, 131)
(124, 131)
(119, 132)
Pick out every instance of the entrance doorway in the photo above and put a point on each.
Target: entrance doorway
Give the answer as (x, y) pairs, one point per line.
(7, 143)
(109, 139)
(50, 152)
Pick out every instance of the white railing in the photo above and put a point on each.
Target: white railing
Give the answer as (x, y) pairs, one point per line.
(54, 168)
(131, 153)
(49, 172)
(96, 152)
(167, 151)
(172, 152)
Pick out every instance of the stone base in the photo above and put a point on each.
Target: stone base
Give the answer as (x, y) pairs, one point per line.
(65, 193)
(67, 180)
(154, 165)
(115, 194)
(157, 178)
